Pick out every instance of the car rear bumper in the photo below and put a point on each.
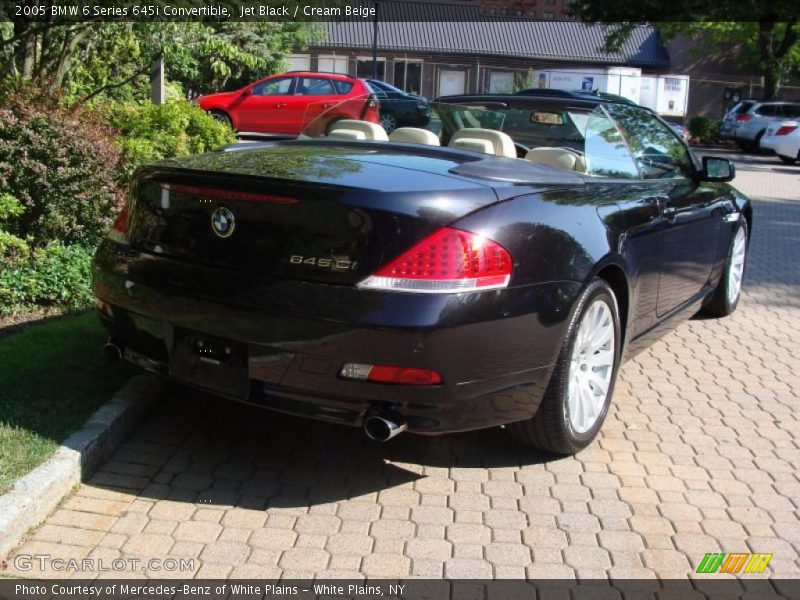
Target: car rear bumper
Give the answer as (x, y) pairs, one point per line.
(494, 350)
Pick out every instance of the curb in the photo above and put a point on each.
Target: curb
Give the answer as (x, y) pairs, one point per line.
(36, 494)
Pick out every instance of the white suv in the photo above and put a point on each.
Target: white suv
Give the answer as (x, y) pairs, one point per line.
(747, 122)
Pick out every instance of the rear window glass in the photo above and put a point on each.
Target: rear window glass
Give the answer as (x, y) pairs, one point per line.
(791, 110)
(742, 107)
(342, 87)
(768, 110)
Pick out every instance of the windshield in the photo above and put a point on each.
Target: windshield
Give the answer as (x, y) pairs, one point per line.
(391, 119)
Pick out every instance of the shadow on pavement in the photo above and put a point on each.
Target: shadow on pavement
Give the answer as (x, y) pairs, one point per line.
(197, 448)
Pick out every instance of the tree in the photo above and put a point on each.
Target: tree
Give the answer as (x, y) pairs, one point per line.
(87, 59)
(767, 30)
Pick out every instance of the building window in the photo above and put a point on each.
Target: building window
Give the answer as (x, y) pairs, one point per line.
(503, 11)
(408, 76)
(548, 15)
(518, 12)
(364, 68)
(299, 62)
(332, 64)
(550, 2)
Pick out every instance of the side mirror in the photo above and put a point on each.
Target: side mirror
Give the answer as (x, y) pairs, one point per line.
(717, 169)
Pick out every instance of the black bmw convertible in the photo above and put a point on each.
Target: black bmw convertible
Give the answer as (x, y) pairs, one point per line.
(493, 268)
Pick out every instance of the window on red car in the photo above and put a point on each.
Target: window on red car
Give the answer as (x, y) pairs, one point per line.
(313, 86)
(273, 87)
(342, 87)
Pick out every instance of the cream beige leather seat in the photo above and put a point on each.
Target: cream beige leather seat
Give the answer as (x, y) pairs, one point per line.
(559, 158)
(414, 135)
(487, 141)
(352, 129)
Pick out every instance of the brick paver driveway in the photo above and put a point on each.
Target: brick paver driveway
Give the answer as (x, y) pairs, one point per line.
(699, 454)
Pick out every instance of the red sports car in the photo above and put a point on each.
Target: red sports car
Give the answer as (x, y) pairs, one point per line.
(285, 103)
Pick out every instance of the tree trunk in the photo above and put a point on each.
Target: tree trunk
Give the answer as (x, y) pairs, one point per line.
(772, 80)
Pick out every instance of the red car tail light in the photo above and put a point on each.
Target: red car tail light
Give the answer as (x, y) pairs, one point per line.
(119, 230)
(449, 260)
(786, 130)
(390, 374)
(745, 117)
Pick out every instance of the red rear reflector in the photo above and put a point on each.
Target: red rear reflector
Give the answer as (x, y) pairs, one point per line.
(389, 374)
(744, 117)
(449, 260)
(228, 194)
(119, 230)
(786, 130)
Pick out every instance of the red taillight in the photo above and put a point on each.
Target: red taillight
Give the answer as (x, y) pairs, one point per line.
(744, 117)
(449, 260)
(786, 130)
(228, 194)
(119, 230)
(390, 374)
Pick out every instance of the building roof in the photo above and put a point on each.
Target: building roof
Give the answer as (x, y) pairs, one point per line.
(462, 29)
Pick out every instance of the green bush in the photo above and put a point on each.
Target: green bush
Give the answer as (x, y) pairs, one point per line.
(151, 132)
(10, 244)
(703, 129)
(54, 275)
(61, 167)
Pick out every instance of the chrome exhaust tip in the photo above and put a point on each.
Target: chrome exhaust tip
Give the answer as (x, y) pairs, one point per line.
(112, 351)
(381, 429)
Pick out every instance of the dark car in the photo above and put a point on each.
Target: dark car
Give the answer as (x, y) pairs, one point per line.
(399, 108)
(493, 269)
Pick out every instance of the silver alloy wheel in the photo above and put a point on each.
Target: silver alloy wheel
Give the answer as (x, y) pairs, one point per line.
(736, 269)
(591, 366)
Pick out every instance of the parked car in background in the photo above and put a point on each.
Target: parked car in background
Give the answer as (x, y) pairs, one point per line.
(495, 268)
(399, 108)
(284, 103)
(783, 139)
(747, 122)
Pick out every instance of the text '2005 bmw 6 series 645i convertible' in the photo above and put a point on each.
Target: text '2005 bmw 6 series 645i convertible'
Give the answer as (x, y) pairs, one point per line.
(493, 266)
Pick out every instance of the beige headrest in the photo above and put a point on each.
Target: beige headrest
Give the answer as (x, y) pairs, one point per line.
(371, 131)
(346, 134)
(558, 158)
(473, 144)
(501, 143)
(414, 135)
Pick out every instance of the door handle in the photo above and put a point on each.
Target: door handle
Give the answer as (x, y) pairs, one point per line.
(280, 105)
(669, 212)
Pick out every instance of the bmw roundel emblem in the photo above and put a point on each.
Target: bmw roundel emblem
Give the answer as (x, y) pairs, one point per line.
(223, 222)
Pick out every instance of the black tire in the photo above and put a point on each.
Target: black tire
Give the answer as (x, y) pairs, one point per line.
(745, 146)
(757, 143)
(222, 117)
(720, 304)
(551, 429)
(787, 160)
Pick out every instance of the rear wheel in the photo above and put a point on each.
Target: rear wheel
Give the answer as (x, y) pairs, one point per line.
(222, 117)
(579, 393)
(757, 143)
(388, 122)
(787, 160)
(726, 295)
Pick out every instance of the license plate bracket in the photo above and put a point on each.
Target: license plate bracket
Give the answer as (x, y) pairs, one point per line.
(211, 363)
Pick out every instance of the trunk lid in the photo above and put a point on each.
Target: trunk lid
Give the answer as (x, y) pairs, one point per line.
(307, 211)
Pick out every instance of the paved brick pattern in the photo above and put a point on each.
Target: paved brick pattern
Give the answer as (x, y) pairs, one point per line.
(699, 454)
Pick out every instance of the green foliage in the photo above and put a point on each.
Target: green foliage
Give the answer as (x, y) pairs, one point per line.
(10, 244)
(151, 132)
(92, 61)
(60, 166)
(703, 129)
(54, 275)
